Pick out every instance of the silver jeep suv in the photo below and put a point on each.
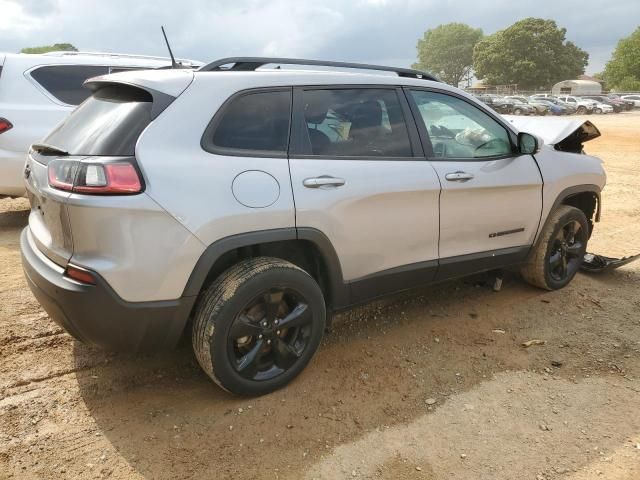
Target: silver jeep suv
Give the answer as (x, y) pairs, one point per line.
(244, 204)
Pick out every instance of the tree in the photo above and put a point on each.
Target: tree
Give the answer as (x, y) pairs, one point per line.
(447, 51)
(56, 47)
(531, 53)
(622, 72)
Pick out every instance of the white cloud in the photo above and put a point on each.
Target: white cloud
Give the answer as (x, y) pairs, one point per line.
(384, 31)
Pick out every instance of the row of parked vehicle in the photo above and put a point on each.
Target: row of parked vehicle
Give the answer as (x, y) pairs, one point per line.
(547, 104)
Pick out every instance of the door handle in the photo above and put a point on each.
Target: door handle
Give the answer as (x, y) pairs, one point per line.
(458, 176)
(323, 181)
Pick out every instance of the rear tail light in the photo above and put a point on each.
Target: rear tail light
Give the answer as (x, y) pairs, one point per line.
(97, 178)
(5, 125)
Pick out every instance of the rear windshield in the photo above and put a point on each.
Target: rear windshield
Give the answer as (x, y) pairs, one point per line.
(107, 124)
(65, 82)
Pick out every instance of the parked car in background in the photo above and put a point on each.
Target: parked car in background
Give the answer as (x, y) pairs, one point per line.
(634, 98)
(553, 108)
(582, 105)
(570, 109)
(37, 91)
(617, 105)
(518, 107)
(628, 104)
(496, 102)
(540, 108)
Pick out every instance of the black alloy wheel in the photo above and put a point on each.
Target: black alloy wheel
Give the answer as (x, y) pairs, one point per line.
(567, 251)
(270, 334)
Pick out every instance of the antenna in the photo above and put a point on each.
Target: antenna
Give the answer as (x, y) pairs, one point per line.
(174, 64)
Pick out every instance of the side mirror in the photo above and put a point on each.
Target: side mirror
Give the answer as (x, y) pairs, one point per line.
(529, 144)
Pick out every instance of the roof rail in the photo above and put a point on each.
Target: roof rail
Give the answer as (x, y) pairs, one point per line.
(60, 53)
(253, 63)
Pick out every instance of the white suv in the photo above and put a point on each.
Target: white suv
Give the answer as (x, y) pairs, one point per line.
(38, 91)
(242, 205)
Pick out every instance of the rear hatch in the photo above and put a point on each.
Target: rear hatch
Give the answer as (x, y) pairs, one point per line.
(103, 130)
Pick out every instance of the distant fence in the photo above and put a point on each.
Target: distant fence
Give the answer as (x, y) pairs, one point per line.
(513, 90)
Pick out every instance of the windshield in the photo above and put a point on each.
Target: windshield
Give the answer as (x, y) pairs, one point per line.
(108, 123)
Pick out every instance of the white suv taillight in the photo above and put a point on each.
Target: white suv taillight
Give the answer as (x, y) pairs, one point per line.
(5, 125)
(98, 178)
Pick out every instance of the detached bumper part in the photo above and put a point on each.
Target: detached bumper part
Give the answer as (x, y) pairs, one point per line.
(95, 314)
(599, 263)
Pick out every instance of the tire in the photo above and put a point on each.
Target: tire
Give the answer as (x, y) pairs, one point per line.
(517, 111)
(558, 248)
(581, 110)
(239, 335)
(598, 111)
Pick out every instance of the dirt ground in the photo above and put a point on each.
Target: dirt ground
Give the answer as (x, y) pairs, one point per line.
(429, 385)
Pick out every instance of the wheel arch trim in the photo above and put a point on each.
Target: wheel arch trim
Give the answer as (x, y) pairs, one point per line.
(338, 290)
(563, 196)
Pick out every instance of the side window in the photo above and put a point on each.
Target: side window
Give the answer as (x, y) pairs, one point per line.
(457, 129)
(64, 82)
(364, 122)
(256, 121)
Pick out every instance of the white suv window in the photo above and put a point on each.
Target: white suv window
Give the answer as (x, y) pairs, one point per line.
(64, 82)
(459, 130)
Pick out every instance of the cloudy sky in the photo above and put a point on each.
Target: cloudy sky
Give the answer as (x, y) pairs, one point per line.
(374, 31)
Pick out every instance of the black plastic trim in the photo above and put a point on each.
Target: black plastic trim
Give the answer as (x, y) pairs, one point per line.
(340, 293)
(569, 192)
(343, 294)
(95, 314)
(462, 265)
(214, 251)
(394, 280)
(246, 64)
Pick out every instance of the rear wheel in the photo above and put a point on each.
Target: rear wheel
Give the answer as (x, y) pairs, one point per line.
(557, 256)
(258, 325)
(598, 110)
(517, 111)
(581, 110)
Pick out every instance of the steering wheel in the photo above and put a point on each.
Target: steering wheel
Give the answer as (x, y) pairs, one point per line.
(493, 143)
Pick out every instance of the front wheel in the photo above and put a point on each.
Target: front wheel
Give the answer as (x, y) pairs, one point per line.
(581, 110)
(598, 110)
(557, 256)
(258, 325)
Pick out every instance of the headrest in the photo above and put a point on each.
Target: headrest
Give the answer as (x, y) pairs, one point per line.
(317, 106)
(366, 115)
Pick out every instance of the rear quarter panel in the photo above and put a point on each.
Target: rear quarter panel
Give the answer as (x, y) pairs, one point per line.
(195, 186)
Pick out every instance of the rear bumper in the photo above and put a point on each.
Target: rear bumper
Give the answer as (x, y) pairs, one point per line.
(95, 314)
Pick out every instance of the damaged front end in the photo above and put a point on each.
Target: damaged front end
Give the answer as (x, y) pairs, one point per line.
(564, 134)
(593, 263)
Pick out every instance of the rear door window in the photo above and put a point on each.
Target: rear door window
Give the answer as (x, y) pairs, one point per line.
(64, 82)
(250, 123)
(364, 122)
(108, 123)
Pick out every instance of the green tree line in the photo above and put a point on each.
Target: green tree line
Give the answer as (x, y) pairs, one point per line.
(532, 53)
